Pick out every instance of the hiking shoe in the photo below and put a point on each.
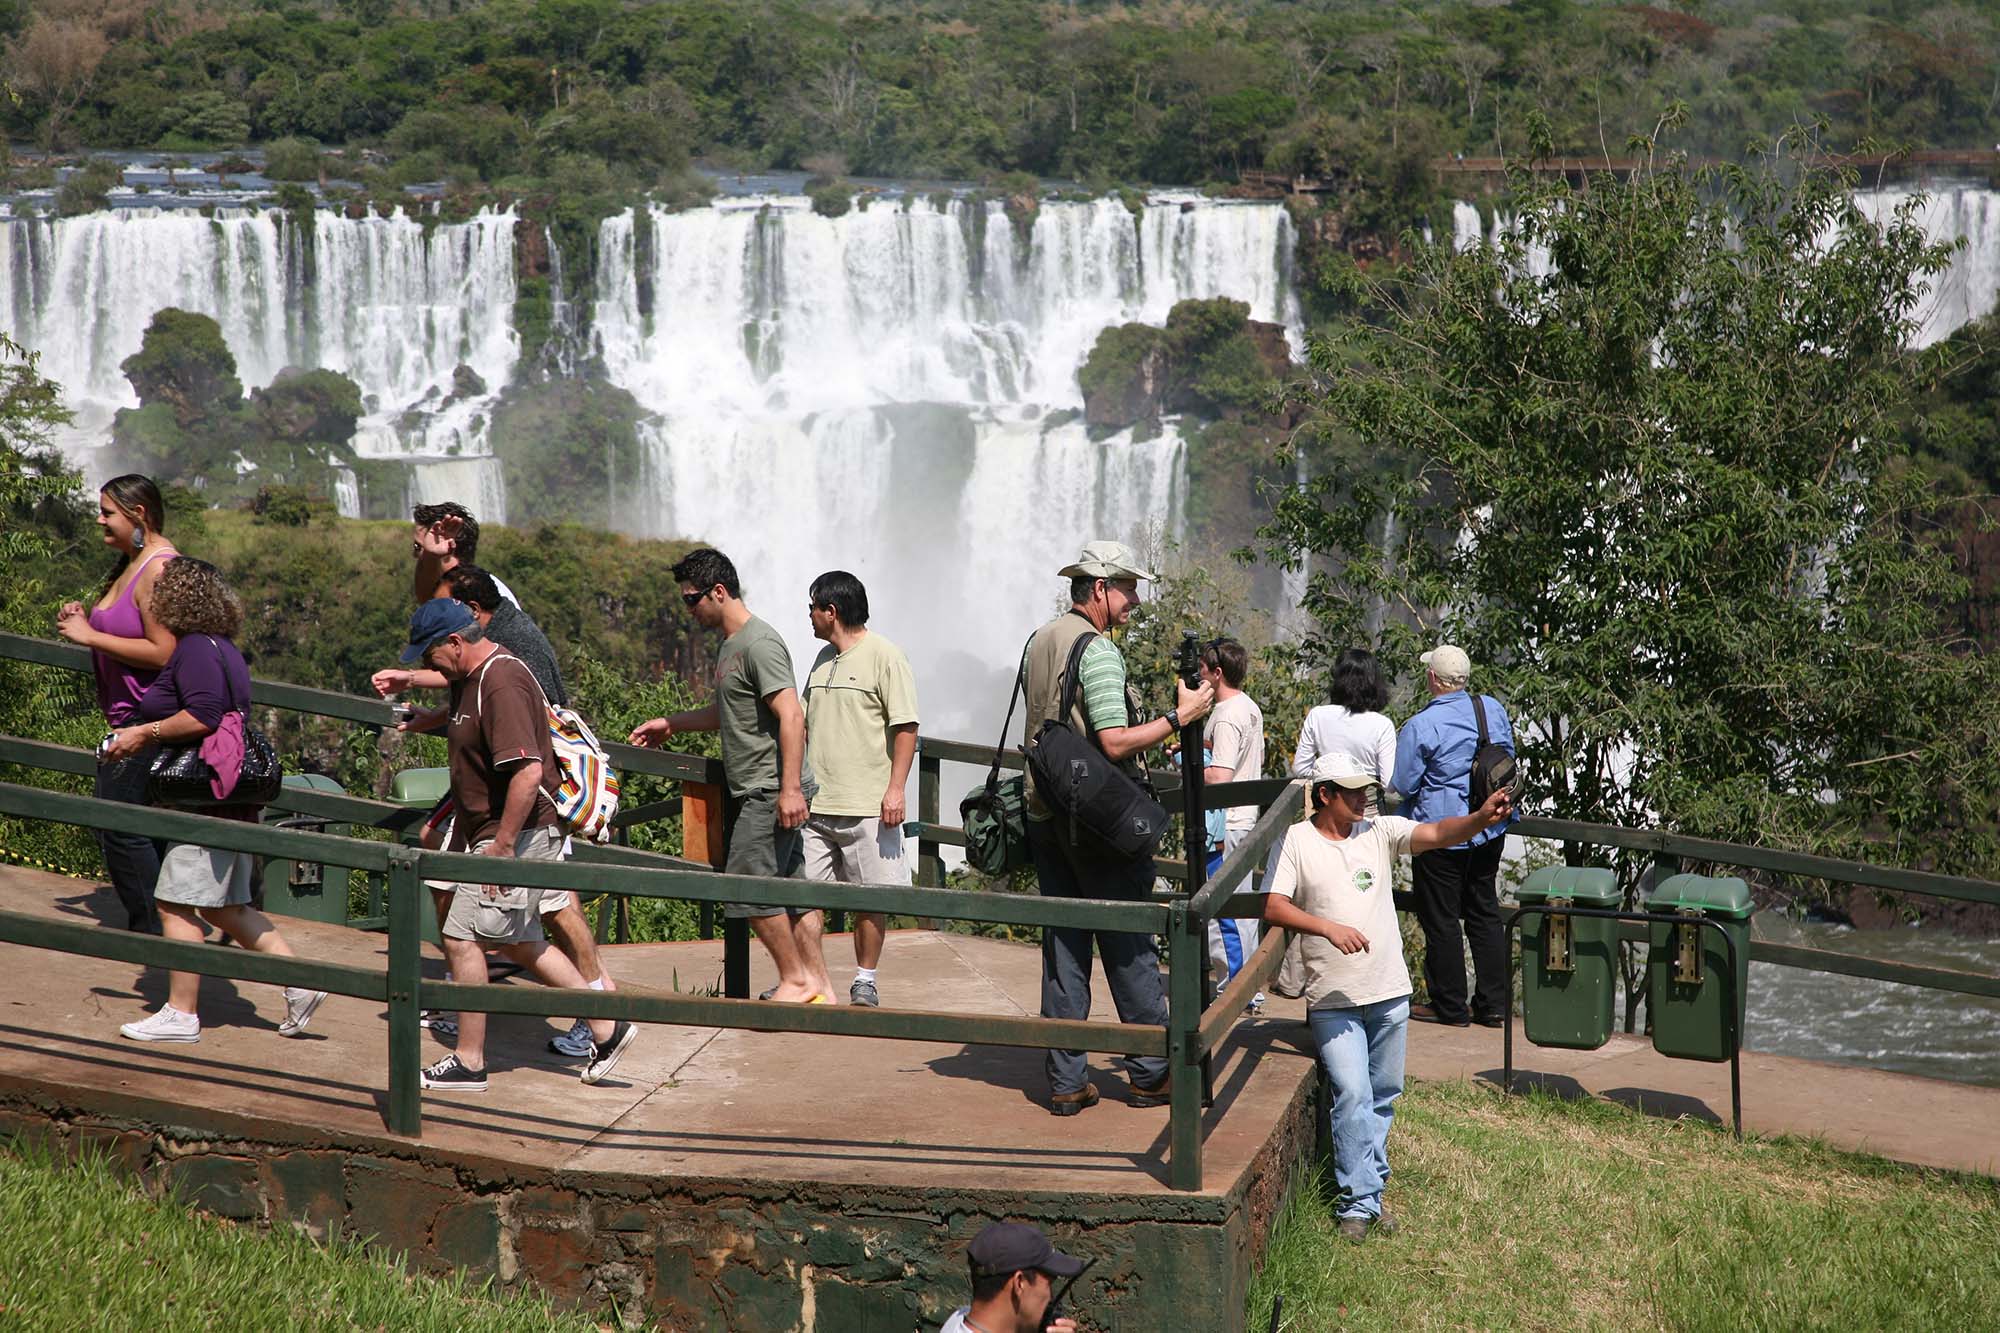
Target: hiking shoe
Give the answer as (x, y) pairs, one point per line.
(1385, 1224)
(604, 1059)
(1353, 1229)
(1159, 1094)
(448, 1075)
(574, 1043)
(1069, 1103)
(300, 1006)
(863, 993)
(1423, 1013)
(1490, 1020)
(168, 1024)
(440, 1022)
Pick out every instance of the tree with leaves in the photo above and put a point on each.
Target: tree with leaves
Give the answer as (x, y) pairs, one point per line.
(1638, 458)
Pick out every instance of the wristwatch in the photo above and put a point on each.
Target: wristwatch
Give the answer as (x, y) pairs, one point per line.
(1173, 719)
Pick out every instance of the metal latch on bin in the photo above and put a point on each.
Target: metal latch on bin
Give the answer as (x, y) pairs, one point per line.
(1557, 952)
(1687, 947)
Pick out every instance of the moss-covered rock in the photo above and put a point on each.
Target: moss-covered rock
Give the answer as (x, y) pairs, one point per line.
(570, 449)
(1210, 359)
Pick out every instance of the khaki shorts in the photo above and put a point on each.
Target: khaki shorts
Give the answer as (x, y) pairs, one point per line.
(509, 917)
(854, 849)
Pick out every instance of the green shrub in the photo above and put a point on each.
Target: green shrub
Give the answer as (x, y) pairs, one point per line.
(88, 188)
(292, 160)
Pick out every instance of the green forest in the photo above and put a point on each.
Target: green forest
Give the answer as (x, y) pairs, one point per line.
(1087, 90)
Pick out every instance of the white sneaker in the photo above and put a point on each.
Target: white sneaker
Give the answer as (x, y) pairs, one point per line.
(169, 1024)
(300, 1006)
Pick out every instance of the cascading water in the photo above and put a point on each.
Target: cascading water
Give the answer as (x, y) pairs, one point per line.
(1967, 290)
(894, 392)
(393, 304)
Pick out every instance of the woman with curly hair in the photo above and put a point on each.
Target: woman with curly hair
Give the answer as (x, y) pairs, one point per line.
(128, 646)
(204, 683)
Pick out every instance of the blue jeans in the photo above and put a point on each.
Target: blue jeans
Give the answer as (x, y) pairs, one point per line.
(1361, 1050)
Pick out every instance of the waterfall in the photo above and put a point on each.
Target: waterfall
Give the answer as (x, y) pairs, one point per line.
(394, 304)
(1967, 290)
(893, 392)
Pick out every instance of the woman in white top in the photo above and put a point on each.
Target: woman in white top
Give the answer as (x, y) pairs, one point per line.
(1352, 728)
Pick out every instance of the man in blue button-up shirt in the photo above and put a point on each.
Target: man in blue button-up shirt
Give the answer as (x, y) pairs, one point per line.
(1454, 884)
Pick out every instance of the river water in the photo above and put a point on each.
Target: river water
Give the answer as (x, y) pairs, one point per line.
(1877, 1024)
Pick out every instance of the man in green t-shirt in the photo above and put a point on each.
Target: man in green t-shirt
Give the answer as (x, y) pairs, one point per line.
(861, 734)
(756, 708)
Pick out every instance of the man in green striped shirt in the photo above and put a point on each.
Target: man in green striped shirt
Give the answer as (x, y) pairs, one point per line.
(1104, 591)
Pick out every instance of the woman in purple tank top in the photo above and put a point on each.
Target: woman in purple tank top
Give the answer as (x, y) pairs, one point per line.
(127, 649)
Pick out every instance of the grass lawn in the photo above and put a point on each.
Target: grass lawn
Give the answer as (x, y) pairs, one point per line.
(82, 1248)
(1535, 1213)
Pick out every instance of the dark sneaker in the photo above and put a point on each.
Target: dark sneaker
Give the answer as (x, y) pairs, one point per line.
(444, 1024)
(604, 1059)
(448, 1075)
(767, 992)
(1069, 1103)
(1353, 1229)
(1160, 1094)
(1489, 1020)
(863, 993)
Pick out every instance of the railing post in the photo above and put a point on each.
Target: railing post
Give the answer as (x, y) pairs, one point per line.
(406, 893)
(1185, 966)
(930, 866)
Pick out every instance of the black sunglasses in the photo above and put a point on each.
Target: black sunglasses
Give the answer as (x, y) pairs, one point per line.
(692, 597)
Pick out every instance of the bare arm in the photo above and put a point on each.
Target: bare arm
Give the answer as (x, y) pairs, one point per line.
(394, 680)
(659, 729)
(178, 729)
(784, 704)
(149, 653)
(1282, 911)
(1451, 832)
(524, 787)
(902, 753)
(1122, 742)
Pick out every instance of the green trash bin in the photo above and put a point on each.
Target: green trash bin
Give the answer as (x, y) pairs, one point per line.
(1689, 987)
(423, 788)
(1569, 964)
(306, 888)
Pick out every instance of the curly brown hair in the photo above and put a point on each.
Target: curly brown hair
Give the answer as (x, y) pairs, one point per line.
(190, 597)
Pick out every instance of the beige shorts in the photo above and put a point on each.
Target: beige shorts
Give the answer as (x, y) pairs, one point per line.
(510, 916)
(204, 876)
(854, 849)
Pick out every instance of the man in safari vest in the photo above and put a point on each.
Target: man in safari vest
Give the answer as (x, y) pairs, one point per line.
(1103, 592)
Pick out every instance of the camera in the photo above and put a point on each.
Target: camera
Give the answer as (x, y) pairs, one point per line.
(1190, 659)
(104, 746)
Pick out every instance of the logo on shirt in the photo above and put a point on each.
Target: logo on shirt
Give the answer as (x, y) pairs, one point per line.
(1364, 880)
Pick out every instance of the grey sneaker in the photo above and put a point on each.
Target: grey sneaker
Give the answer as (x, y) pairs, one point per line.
(863, 993)
(168, 1024)
(574, 1043)
(440, 1022)
(448, 1075)
(300, 1006)
(603, 1059)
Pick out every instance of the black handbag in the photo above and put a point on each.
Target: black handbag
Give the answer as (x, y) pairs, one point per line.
(1080, 782)
(181, 778)
(995, 814)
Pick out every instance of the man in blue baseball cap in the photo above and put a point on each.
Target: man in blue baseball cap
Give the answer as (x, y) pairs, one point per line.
(502, 763)
(1014, 1272)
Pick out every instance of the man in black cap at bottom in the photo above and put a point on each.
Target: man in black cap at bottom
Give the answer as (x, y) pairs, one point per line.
(1014, 1272)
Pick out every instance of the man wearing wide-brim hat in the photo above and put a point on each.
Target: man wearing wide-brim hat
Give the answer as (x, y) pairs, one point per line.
(1103, 592)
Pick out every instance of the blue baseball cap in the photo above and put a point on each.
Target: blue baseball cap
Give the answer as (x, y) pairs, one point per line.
(435, 620)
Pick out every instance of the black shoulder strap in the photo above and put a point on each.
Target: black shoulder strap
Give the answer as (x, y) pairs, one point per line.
(1013, 697)
(1069, 677)
(1479, 716)
(222, 663)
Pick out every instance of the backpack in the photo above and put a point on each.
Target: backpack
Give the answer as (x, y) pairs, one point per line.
(995, 814)
(585, 794)
(1080, 782)
(1492, 767)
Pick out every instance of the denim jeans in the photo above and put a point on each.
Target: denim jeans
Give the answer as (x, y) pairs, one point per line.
(1131, 963)
(1361, 1050)
(133, 861)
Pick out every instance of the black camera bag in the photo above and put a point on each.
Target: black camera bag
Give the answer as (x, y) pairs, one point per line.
(1103, 804)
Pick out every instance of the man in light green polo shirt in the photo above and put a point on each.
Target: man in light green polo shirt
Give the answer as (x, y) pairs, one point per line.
(861, 736)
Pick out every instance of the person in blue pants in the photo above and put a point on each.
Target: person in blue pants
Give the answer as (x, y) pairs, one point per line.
(1331, 887)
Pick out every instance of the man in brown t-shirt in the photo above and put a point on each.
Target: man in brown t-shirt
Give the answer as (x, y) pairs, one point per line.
(501, 762)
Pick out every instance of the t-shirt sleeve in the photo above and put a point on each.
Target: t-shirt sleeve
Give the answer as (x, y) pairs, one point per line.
(1396, 833)
(201, 680)
(511, 717)
(1102, 673)
(1283, 881)
(898, 687)
(1385, 754)
(1226, 743)
(769, 664)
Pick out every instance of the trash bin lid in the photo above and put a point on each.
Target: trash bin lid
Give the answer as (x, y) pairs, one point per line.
(1586, 886)
(1725, 896)
(420, 786)
(312, 782)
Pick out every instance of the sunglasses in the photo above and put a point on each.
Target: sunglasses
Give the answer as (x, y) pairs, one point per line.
(691, 598)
